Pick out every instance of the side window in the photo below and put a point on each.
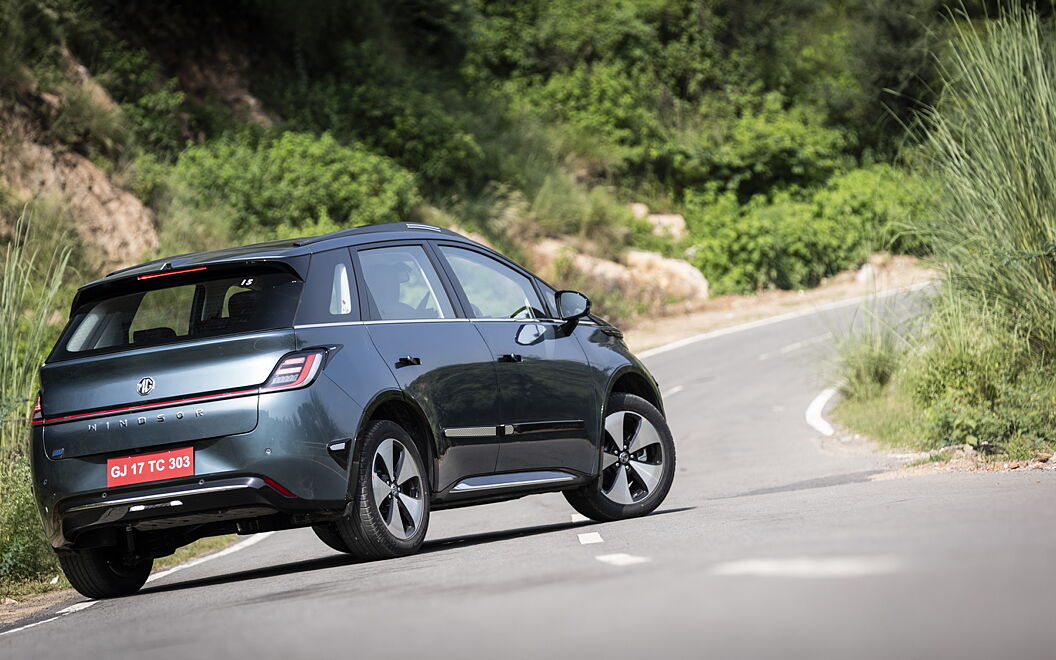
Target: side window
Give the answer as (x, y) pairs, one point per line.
(403, 284)
(330, 296)
(494, 290)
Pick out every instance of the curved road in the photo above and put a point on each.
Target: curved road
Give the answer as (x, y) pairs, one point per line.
(766, 547)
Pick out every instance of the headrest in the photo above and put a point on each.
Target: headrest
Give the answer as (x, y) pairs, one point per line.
(242, 306)
(153, 336)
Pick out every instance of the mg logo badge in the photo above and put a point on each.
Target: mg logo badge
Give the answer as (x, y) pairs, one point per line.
(145, 386)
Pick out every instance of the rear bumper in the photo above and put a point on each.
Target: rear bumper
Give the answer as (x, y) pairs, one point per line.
(289, 446)
(173, 505)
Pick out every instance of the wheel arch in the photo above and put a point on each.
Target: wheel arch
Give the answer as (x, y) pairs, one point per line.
(629, 380)
(394, 406)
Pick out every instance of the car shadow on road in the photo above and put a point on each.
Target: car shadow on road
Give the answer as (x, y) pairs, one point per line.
(809, 484)
(323, 563)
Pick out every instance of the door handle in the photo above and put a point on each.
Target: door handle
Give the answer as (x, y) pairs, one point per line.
(510, 357)
(408, 361)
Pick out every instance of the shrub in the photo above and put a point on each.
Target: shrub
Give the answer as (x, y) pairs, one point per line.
(797, 237)
(295, 178)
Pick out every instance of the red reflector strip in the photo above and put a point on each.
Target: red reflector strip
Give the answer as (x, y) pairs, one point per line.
(296, 360)
(171, 272)
(285, 492)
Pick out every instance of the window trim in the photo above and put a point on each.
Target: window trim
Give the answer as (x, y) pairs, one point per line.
(461, 294)
(370, 312)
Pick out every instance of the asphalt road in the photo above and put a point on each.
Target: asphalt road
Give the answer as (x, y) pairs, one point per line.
(766, 547)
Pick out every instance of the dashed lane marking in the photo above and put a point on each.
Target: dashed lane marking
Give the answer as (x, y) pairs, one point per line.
(796, 346)
(621, 559)
(809, 567)
(674, 390)
(579, 517)
(590, 537)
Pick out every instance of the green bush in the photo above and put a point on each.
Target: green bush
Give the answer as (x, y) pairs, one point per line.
(797, 237)
(294, 178)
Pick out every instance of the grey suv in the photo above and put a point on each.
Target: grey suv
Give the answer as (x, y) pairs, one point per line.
(351, 382)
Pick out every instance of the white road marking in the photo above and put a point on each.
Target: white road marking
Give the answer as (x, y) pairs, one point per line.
(621, 559)
(579, 517)
(241, 545)
(76, 607)
(779, 319)
(83, 605)
(791, 348)
(29, 625)
(590, 537)
(807, 567)
(814, 410)
(674, 390)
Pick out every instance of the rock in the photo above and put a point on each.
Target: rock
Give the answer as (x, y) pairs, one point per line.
(654, 281)
(1043, 456)
(667, 224)
(866, 274)
(10, 601)
(678, 279)
(117, 229)
(638, 210)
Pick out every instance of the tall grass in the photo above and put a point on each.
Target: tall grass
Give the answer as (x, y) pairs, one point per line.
(992, 144)
(27, 304)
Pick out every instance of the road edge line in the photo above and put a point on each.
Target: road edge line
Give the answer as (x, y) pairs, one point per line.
(230, 550)
(788, 316)
(815, 410)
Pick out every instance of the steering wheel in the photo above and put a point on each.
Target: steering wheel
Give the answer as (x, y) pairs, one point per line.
(520, 309)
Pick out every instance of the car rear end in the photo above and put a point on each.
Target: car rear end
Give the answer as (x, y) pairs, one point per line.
(174, 407)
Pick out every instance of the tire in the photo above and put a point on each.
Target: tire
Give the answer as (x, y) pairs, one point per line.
(100, 573)
(635, 477)
(370, 531)
(328, 534)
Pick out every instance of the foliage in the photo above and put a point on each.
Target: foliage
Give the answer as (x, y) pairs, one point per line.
(797, 237)
(983, 371)
(295, 178)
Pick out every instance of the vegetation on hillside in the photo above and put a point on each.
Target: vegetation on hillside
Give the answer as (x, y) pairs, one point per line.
(776, 128)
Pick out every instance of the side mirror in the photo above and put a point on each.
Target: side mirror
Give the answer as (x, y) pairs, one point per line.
(572, 305)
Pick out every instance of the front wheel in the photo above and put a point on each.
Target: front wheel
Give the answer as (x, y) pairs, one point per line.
(101, 573)
(391, 512)
(638, 463)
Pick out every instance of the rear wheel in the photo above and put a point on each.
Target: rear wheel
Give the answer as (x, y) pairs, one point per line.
(101, 573)
(638, 463)
(391, 514)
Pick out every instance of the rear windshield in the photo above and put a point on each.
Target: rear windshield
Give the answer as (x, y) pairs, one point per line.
(164, 311)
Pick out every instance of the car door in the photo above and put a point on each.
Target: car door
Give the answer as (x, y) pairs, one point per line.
(437, 356)
(546, 389)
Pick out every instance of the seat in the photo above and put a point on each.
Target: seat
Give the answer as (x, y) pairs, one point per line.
(153, 336)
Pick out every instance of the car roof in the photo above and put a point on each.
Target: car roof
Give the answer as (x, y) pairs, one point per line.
(288, 249)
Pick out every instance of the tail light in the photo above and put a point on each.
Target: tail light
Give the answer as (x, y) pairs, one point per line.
(294, 371)
(38, 415)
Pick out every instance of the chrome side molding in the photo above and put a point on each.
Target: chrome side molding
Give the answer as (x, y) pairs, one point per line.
(511, 480)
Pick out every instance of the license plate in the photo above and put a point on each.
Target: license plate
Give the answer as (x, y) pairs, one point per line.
(150, 467)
